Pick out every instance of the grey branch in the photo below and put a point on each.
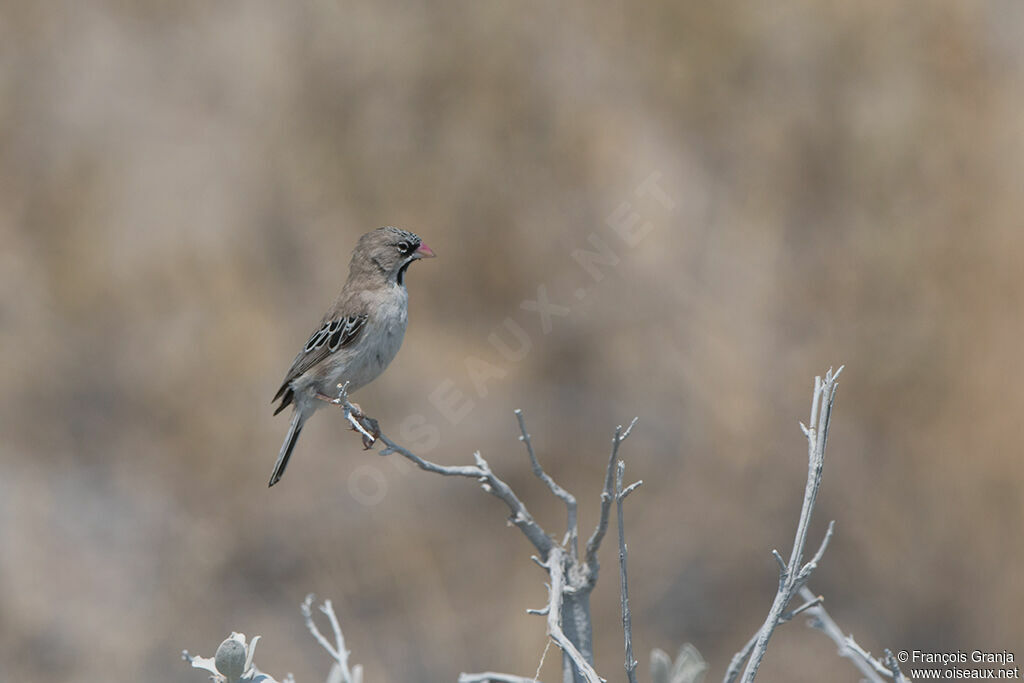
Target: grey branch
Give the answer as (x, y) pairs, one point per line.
(341, 672)
(556, 570)
(568, 610)
(568, 590)
(820, 619)
(792, 614)
(793, 574)
(490, 483)
(873, 669)
(572, 525)
(607, 496)
(627, 621)
(736, 664)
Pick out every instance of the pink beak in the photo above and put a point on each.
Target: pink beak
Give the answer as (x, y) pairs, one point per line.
(424, 251)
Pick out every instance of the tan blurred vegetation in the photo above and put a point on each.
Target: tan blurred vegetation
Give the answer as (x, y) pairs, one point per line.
(181, 185)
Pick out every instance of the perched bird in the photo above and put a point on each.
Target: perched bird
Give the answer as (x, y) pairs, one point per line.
(359, 335)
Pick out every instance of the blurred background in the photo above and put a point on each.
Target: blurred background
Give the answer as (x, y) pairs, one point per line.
(802, 184)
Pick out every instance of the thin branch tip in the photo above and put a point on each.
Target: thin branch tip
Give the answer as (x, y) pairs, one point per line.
(794, 574)
(814, 602)
(571, 577)
(629, 489)
(778, 558)
(627, 620)
(629, 429)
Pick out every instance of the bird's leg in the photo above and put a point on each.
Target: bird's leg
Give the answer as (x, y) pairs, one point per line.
(365, 425)
(362, 423)
(371, 433)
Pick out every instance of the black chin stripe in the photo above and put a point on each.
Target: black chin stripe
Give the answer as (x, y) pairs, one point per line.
(401, 272)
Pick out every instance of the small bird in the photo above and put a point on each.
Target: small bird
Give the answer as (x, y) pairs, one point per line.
(360, 334)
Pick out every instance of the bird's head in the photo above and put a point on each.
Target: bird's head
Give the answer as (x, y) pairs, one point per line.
(388, 252)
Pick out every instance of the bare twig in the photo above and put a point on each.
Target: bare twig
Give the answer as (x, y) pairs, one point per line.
(337, 651)
(568, 609)
(627, 621)
(793, 575)
(874, 670)
(307, 613)
(820, 619)
(607, 496)
(572, 525)
(736, 664)
(863, 654)
(794, 613)
(490, 483)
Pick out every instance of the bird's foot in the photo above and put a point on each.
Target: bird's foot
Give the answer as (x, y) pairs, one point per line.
(360, 422)
(370, 430)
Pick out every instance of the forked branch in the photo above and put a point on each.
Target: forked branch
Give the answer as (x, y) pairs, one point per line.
(572, 525)
(794, 574)
(571, 580)
(607, 497)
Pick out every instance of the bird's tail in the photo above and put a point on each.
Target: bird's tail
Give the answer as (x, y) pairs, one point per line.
(288, 446)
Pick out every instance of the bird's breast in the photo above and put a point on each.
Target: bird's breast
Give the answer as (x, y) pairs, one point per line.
(380, 341)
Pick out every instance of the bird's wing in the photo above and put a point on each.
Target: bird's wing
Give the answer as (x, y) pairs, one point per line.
(336, 332)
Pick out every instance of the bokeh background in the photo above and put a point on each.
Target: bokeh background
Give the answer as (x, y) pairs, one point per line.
(180, 188)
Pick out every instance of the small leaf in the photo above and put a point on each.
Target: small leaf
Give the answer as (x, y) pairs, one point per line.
(204, 663)
(661, 663)
(690, 667)
(250, 652)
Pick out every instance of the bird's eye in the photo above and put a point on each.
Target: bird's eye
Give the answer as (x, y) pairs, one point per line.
(405, 248)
